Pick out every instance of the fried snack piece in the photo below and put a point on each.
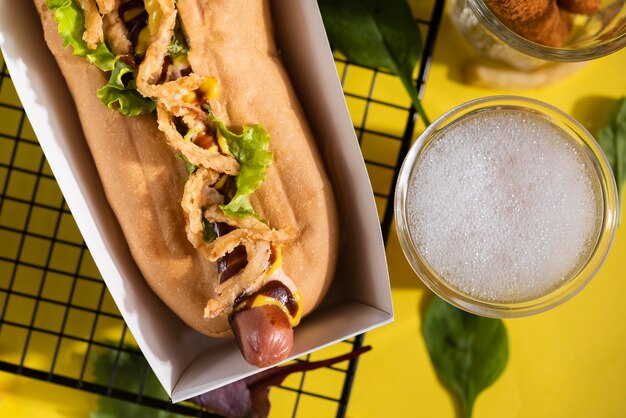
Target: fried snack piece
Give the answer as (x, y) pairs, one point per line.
(539, 21)
(584, 7)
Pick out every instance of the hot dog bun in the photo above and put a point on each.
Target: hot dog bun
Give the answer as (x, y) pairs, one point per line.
(143, 180)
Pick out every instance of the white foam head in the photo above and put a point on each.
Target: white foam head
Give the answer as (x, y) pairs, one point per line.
(504, 206)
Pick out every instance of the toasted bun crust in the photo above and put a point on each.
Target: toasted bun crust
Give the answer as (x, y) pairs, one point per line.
(143, 180)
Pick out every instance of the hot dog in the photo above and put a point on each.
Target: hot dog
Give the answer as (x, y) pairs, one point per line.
(206, 159)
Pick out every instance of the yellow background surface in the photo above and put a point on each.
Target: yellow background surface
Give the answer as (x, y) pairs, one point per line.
(568, 362)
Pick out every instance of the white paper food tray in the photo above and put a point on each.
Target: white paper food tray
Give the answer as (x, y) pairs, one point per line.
(186, 362)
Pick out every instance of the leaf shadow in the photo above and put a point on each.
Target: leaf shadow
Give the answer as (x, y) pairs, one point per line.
(401, 274)
(422, 307)
(593, 112)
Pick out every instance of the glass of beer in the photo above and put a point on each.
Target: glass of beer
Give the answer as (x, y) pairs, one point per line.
(506, 206)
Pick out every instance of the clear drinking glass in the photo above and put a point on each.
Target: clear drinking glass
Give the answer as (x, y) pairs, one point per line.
(592, 36)
(580, 274)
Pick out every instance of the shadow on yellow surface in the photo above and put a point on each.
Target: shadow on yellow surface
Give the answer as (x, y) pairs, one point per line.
(593, 111)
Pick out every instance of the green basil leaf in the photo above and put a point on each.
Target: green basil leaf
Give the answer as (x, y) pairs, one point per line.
(468, 352)
(251, 151)
(612, 139)
(124, 97)
(377, 33)
(71, 21)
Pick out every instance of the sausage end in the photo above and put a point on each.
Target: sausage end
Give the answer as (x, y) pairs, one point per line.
(264, 335)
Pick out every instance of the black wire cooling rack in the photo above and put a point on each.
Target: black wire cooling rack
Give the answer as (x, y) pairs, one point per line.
(57, 319)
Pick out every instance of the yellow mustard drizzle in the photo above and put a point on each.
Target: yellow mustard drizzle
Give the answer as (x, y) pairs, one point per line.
(262, 300)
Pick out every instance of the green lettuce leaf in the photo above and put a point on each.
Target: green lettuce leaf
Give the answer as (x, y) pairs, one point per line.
(115, 94)
(190, 167)
(124, 97)
(71, 20)
(251, 151)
